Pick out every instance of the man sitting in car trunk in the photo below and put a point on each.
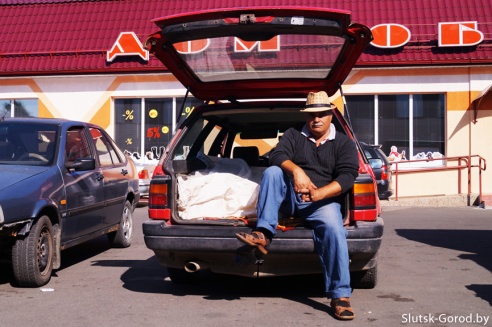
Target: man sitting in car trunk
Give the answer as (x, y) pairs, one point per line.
(311, 171)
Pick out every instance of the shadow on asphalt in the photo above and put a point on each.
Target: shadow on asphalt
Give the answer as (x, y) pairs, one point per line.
(6, 273)
(477, 244)
(148, 276)
(84, 251)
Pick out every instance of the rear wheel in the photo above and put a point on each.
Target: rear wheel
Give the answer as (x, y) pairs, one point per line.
(123, 237)
(32, 256)
(365, 279)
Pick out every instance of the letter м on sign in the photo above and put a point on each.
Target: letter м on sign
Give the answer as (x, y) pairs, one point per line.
(247, 46)
(196, 46)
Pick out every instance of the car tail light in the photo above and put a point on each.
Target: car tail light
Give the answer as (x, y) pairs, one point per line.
(384, 173)
(159, 198)
(158, 171)
(143, 174)
(365, 199)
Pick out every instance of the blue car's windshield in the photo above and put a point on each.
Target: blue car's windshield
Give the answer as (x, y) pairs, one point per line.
(27, 143)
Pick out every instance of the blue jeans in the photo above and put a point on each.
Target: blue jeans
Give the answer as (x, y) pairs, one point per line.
(324, 217)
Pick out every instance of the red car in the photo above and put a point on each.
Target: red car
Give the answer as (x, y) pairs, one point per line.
(253, 67)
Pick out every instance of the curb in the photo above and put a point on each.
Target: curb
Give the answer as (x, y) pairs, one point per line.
(458, 200)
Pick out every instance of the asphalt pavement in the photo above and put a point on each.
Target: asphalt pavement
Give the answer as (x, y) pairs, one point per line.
(435, 269)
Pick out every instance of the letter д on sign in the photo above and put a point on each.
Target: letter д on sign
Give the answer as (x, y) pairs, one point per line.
(194, 46)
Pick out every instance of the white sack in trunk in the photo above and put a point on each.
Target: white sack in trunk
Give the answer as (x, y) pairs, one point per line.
(216, 195)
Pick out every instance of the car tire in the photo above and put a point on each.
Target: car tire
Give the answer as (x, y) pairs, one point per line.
(32, 255)
(122, 238)
(365, 279)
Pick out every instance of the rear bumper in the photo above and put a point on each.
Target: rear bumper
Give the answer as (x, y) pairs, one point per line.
(177, 244)
(384, 190)
(144, 187)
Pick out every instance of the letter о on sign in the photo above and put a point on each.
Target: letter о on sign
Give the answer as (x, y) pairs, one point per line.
(390, 35)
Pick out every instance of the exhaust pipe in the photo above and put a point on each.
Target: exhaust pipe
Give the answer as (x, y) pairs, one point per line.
(194, 266)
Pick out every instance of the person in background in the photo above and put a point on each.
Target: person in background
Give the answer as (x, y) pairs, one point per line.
(394, 155)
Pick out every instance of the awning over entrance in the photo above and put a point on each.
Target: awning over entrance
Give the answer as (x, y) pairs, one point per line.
(482, 102)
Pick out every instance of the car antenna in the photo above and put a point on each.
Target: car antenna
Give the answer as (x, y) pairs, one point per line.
(4, 114)
(346, 113)
(182, 106)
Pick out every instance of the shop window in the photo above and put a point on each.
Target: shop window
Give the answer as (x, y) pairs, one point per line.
(428, 123)
(411, 124)
(145, 126)
(19, 108)
(159, 126)
(361, 109)
(184, 110)
(128, 126)
(394, 122)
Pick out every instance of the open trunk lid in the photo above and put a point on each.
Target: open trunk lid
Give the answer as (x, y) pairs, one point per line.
(259, 52)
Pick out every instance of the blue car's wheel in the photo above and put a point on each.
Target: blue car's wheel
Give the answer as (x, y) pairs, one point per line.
(123, 237)
(32, 255)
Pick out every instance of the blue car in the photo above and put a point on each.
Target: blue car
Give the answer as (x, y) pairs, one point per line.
(381, 166)
(61, 183)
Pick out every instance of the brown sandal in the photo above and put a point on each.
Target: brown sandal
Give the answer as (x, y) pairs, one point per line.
(255, 239)
(342, 309)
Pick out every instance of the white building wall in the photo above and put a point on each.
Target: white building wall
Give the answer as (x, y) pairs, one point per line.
(90, 98)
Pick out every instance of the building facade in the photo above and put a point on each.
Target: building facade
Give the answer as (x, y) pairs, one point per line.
(421, 89)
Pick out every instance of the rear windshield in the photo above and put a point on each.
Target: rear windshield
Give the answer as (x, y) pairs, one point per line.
(217, 133)
(283, 56)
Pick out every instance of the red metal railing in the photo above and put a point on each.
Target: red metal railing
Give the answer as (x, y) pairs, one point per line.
(464, 162)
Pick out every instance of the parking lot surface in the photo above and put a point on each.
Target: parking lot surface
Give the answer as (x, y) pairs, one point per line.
(434, 270)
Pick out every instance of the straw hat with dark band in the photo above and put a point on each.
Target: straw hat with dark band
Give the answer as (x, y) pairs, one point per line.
(318, 101)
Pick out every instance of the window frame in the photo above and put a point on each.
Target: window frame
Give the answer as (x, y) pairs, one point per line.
(411, 116)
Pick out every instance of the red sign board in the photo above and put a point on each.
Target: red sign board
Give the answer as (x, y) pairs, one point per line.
(127, 44)
(459, 34)
(390, 35)
(451, 34)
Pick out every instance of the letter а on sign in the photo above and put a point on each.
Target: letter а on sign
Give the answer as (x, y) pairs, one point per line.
(127, 44)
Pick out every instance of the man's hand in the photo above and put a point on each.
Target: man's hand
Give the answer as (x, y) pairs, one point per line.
(310, 192)
(304, 186)
(302, 183)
